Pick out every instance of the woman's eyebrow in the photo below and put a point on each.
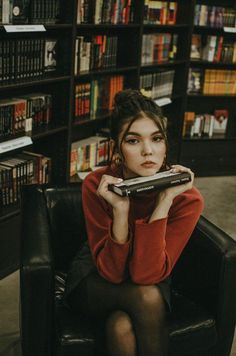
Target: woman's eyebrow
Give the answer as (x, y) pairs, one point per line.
(132, 133)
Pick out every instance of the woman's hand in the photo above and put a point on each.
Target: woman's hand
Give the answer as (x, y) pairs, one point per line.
(172, 192)
(117, 202)
(165, 197)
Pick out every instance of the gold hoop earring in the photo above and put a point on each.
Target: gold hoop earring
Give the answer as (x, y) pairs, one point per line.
(117, 159)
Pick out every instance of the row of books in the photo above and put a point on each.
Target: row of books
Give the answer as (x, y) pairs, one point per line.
(29, 11)
(212, 82)
(158, 47)
(105, 11)
(23, 168)
(205, 125)
(212, 49)
(26, 58)
(24, 114)
(214, 16)
(157, 85)
(88, 153)
(95, 98)
(160, 12)
(95, 52)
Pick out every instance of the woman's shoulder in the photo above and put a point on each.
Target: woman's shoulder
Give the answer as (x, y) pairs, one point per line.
(93, 179)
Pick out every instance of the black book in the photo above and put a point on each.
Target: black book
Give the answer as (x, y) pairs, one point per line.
(157, 181)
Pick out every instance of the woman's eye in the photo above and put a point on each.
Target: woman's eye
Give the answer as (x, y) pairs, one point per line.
(132, 141)
(157, 138)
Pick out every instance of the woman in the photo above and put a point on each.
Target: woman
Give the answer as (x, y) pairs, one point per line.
(134, 242)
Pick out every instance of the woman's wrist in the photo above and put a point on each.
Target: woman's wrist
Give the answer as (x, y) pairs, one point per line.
(163, 204)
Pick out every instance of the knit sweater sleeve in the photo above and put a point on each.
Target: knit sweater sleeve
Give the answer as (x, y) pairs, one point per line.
(158, 245)
(109, 256)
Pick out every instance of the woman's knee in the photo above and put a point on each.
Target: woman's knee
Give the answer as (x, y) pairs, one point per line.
(119, 323)
(148, 297)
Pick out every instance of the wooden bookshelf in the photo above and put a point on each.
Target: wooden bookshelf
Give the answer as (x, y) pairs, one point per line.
(206, 156)
(212, 155)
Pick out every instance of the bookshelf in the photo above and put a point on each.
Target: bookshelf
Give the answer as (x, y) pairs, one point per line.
(86, 43)
(212, 57)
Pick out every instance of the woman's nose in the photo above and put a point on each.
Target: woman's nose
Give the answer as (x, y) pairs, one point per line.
(146, 149)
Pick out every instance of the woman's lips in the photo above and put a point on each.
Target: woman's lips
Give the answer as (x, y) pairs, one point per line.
(148, 164)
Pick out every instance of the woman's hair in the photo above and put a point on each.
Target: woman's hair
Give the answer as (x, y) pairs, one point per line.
(130, 105)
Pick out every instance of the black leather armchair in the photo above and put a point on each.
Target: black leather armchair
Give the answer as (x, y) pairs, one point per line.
(204, 290)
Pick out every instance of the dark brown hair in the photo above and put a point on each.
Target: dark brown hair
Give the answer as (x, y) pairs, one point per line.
(130, 105)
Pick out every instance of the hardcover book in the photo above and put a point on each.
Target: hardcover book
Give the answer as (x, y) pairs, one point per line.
(158, 181)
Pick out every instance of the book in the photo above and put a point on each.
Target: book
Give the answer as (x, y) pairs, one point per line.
(220, 121)
(50, 55)
(20, 11)
(158, 181)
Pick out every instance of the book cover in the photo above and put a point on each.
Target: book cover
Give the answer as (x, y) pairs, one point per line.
(158, 181)
(50, 55)
(20, 12)
(220, 121)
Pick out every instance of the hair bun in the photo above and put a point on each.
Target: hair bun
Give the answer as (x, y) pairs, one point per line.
(126, 95)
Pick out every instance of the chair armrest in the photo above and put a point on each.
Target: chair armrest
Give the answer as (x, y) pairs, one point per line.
(36, 275)
(206, 273)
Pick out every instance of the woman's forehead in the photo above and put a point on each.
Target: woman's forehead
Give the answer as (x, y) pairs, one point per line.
(141, 124)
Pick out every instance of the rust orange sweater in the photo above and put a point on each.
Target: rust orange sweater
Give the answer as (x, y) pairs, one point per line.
(153, 248)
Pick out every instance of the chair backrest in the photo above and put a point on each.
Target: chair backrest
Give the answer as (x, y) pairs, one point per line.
(67, 224)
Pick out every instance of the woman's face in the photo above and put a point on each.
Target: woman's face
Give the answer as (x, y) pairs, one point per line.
(143, 148)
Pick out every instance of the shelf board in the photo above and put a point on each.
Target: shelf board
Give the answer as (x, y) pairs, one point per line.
(46, 131)
(57, 26)
(165, 27)
(106, 71)
(9, 212)
(210, 29)
(208, 139)
(48, 26)
(171, 63)
(207, 96)
(107, 26)
(203, 63)
(36, 81)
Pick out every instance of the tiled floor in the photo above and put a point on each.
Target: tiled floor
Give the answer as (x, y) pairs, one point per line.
(220, 208)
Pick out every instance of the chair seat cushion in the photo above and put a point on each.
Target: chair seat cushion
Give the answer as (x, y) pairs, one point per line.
(190, 328)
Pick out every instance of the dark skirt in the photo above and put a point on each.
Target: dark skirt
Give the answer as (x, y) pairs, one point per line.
(79, 299)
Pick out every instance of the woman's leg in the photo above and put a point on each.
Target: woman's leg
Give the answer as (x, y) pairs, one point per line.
(120, 334)
(136, 310)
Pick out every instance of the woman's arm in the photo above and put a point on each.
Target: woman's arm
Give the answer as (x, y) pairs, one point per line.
(158, 245)
(107, 228)
(159, 241)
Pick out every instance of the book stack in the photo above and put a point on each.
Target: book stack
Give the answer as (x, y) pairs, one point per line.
(96, 98)
(88, 153)
(219, 82)
(105, 11)
(23, 168)
(29, 11)
(27, 58)
(158, 47)
(195, 77)
(157, 85)
(160, 12)
(213, 49)
(205, 125)
(96, 52)
(214, 16)
(24, 114)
